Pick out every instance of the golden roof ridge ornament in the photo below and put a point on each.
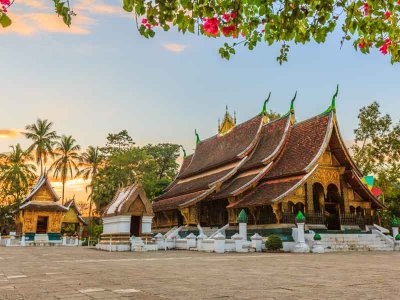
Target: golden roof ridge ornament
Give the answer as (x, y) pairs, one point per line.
(228, 123)
(264, 111)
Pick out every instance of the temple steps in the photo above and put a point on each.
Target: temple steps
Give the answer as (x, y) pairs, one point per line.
(355, 242)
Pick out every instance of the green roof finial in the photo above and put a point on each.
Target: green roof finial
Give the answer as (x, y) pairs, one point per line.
(292, 103)
(317, 237)
(333, 104)
(300, 218)
(184, 151)
(242, 218)
(198, 141)
(264, 109)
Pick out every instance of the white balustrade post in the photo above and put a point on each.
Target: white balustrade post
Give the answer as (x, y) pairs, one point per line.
(23, 242)
(191, 241)
(219, 243)
(238, 242)
(64, 240)
(301, 246)
(256, 242)
(200, 238)
(242, 220)
(317, 246)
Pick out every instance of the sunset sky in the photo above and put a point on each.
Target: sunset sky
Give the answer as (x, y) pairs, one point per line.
(100, 76)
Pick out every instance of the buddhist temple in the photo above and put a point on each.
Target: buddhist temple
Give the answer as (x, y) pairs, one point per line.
(73, 218)
(41, 215)
(272, 169)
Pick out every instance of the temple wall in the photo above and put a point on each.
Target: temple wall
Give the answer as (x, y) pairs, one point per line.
(29, 221)
(71, 217)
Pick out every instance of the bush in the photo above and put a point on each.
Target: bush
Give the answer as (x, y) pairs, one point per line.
(317, 237)
(397, 237)
(273, 243)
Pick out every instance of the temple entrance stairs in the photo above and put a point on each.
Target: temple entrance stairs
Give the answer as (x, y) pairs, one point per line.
(41, 240)
(355, 242)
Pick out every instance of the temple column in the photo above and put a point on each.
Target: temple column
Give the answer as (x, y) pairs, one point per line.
(277, 212)
(309, 198)
(345, 195)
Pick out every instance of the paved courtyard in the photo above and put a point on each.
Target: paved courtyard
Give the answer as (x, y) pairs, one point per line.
(81, 273)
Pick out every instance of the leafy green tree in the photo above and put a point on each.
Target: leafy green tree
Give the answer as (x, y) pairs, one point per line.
(43, 138)
(17, 173)
(66, 160)
(118, 142)
(90, 163)
(165, 156)
(376, 151)
(368, 24)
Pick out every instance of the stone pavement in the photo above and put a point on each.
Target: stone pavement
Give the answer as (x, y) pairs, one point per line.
(82, 273)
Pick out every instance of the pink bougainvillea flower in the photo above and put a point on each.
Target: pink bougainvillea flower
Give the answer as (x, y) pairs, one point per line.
(229, 30)
(384, 47)
(5, 3)
(362, 44)
(211, 26)
(233, 14)
(388, 14)
(226, 17)
(366, 9)
(144, 21)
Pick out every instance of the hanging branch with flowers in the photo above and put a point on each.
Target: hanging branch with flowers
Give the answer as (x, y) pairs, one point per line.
(372, 24)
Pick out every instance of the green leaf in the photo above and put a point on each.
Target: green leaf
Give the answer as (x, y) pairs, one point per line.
(5, 21)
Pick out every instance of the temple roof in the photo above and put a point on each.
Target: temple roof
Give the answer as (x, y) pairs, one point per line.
(261, 161)
(123, 200)
(42, 181)
(42, 206)
(72, 204)
(219, 150)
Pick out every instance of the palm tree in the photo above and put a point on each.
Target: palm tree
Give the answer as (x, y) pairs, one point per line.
(43, 138)
(16, 172)
(90, 162)
(66, 161)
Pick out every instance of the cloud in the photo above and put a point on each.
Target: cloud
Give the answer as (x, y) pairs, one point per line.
(9, 133)
(41, 4)
(32, 23)
(177, 48)
(97, 7)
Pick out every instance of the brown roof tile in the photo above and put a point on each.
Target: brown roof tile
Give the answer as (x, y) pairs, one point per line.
(304, 143)
(270, 138)
(199, 183)
(218, 150)
(172, 203)
(265, 193)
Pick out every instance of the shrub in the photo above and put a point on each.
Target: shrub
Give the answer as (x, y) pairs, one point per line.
(397, 237)
(273, 243)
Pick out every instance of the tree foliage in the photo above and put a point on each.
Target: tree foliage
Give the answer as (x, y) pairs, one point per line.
(154, 166)
(367, 24)
(377, 152)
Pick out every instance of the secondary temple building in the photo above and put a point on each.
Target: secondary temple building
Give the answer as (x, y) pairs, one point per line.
(41, 215)
(272, 169)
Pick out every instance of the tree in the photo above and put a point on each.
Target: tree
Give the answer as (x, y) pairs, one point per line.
(376, 151)
(368, 24)
(66, 160)
(90, 163)
(16, 173)
(165, 156)
(43, 138)
(118, 142)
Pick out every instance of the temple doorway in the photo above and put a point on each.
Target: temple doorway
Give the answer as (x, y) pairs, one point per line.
(135, 225)
(41, 226)
(332, 208)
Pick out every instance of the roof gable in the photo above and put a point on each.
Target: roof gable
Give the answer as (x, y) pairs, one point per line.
(42, 191)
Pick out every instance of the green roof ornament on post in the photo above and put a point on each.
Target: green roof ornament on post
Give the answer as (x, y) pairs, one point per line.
(242, 218)
(198, 141)
(332, 107)
(184, 151)
(395, 221)
(300, 218)
(317, 237)
(264, 109)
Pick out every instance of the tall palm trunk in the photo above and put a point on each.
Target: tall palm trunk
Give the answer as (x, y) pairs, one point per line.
(63, 190)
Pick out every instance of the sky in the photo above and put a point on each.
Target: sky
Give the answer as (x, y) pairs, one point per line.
(100, 76)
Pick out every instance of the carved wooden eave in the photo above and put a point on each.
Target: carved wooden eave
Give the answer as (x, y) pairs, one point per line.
(253, 143)
(197, 199)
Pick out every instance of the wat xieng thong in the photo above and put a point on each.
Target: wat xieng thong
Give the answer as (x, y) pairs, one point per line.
(272, 169)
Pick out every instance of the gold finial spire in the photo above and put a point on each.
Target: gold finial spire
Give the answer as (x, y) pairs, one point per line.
(227, 123)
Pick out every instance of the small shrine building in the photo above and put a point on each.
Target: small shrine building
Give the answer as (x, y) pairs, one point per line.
(41, 213)
(272, 169)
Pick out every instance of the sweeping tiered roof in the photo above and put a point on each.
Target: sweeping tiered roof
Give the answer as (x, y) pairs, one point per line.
(267, 159)
(42, 197)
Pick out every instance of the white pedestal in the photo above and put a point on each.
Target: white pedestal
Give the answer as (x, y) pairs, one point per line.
(318, 247)
(301, 246)
(395, 231)
(243, 230)
(146, 224)
(256, 242)
(191, 241)
(219, 243)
